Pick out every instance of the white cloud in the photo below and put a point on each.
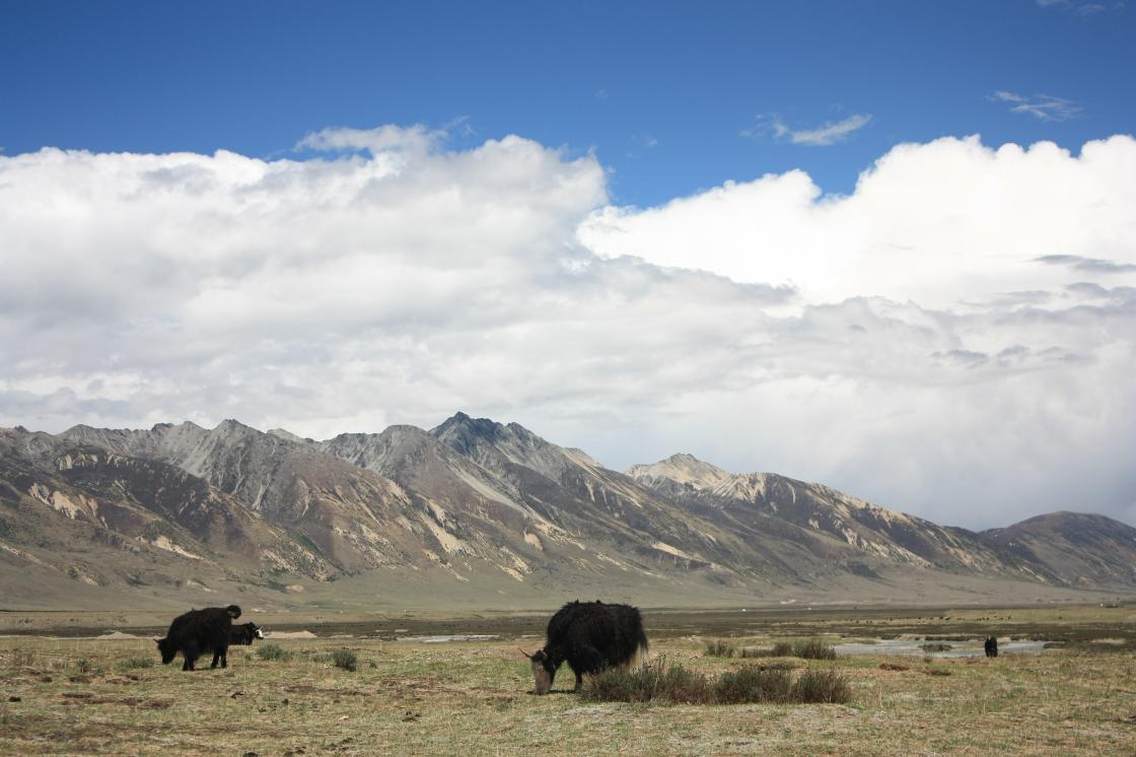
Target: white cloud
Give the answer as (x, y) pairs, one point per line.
(937, 223)
(955, 338)
(1042, 107)
(824, 135)
(1082, 7)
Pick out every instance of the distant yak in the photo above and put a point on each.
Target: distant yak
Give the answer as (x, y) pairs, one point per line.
(991, 646)
(245, 634)
(199, 631)
(590, 637)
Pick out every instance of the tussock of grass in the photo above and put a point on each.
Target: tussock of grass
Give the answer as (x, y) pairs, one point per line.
(651, 681)
(936, 646)
(753, 684)
(674, 684)
(814, 649)
(782, 649)
(821, 687)
(273, 652)
(938, 672)
(132, 663)
(345, 659)
(720, 648)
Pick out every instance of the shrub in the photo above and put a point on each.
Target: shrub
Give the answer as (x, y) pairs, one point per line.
(938, 672)
(782, 649)
(650, 681)
(674, 684)
(821, 687)
(345, 658)
(273, 652)
(720, 648)
(753, 684)
(814, 649)
(893, 666)
(131, 663)
(937, 646)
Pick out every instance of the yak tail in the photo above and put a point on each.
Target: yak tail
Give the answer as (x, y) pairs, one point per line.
(234, 611)
(643, 645)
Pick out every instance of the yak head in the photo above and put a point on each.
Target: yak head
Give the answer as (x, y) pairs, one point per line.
(167, 648)
(544, 670)
(257, 632)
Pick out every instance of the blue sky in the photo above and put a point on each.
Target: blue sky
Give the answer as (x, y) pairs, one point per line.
(661, 91)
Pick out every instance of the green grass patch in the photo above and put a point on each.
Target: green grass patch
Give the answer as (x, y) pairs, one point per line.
(133, 663)
(814, 649)
(273, 652)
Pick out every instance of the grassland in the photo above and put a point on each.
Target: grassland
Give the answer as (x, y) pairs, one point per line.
(76, 695)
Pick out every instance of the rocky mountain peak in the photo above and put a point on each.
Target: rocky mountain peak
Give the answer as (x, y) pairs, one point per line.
(684, 469)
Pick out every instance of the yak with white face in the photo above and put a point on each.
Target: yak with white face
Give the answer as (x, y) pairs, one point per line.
(245, 634)
(590, 637)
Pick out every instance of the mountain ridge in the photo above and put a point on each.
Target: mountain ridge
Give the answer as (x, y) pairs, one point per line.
(485, 510)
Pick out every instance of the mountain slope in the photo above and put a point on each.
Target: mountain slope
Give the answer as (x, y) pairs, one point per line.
(766, 502)
(483, 512)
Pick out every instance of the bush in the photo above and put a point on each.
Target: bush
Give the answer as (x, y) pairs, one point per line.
(674, 684)
(782, 649)
(753, 684)
(938, 672)
(937, 646)
(131, 663)
(719, 648)
(273, 652)
(345, 658)
(814, 649)
(649, 682)
(821, 687)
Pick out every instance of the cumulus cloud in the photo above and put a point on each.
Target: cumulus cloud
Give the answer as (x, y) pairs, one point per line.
(915, 342)
(824, 135)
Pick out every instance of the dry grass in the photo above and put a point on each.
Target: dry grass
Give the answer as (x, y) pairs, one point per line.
(474, 699)
(720, 648)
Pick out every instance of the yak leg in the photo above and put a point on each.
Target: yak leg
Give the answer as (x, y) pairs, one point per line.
(216, 657)
(189, 652)
(225, 656)
(590, 661)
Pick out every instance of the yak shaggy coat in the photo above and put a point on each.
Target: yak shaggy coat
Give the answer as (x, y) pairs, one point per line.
(199, 631)
(245, 634)
(590, 637)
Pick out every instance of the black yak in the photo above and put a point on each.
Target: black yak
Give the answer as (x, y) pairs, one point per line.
(245, 634)
(991, 646)
(199, 631)
(589, 636)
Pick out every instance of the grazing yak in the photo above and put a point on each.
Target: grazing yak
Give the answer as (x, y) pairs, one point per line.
(199, 631)
(245, 634)
(589, 636)
(991, 646)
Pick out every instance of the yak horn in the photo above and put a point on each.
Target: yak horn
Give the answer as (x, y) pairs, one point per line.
(526, 654)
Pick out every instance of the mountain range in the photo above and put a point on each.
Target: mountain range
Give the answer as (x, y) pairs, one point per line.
(475, 513)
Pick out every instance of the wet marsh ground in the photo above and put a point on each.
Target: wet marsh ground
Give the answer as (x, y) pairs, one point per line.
(82, 695)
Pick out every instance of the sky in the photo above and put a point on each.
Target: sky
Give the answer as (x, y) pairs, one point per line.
(890, 247)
